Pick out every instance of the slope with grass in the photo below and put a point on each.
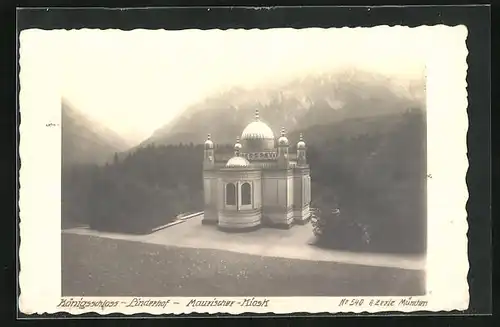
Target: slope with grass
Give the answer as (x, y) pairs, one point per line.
(93, 266)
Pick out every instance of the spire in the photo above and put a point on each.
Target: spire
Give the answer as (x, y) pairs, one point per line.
(301, 144)
(283, 131)
(257, 118)
(208, 143)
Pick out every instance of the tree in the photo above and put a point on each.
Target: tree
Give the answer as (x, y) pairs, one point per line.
(377, 181)
(378, 178)
(147, 188)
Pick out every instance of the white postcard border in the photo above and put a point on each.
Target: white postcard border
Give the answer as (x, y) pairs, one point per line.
(40, 188)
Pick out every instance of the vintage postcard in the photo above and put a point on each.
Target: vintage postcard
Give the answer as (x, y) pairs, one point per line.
(243, 171)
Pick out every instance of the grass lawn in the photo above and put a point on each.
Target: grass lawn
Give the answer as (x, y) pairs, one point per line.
(93, 266)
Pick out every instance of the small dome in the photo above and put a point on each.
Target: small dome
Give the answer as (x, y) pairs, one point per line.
(236, 162)
(283, 140)
(301, 144)
(257, 130)
(208, 143)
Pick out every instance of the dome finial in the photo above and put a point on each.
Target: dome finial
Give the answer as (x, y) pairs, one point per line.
(301, 137)
(237, 146)
(257, 118)
(208, 137)
(283, 131)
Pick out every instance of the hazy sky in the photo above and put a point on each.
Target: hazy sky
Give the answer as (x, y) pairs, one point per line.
(135, 81)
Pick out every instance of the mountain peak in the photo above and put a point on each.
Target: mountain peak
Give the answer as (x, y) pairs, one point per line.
(298, 103)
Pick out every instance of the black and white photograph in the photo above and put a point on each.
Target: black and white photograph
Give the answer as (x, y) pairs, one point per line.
(210, 165)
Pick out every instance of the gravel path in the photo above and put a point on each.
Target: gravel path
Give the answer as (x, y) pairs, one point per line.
(294, 243)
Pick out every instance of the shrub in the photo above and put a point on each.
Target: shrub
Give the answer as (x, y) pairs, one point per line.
(332, 230)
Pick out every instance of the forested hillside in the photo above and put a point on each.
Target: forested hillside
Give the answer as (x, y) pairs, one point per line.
(373, 169)
(141, 191)
(377, 178)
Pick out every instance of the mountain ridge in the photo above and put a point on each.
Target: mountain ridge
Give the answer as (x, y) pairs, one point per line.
(85, 141)
(296, 104)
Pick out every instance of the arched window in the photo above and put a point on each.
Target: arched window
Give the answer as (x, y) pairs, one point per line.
(246, 194)
(231, 194)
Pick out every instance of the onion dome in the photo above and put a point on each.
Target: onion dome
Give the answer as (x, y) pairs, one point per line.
(208, 143)
(283, 140)
(257, 130)
(237, 162)
(301, 144)
(237, 146)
